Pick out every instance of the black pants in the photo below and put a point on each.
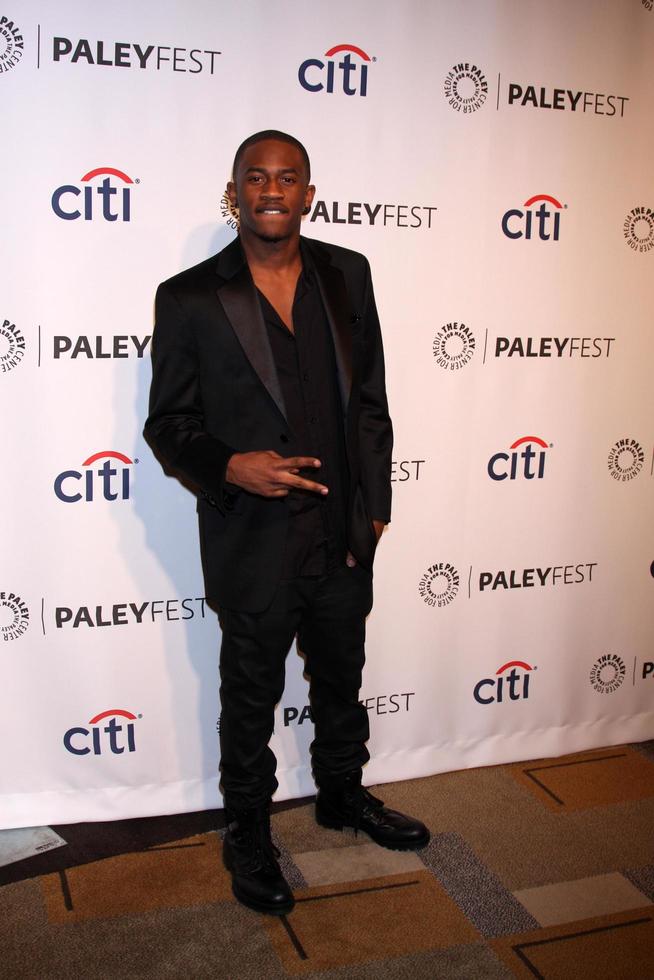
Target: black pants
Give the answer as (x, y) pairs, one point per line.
(328, 615)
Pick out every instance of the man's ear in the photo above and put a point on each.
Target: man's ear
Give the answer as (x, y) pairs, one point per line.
(308, 198)
(231, 193)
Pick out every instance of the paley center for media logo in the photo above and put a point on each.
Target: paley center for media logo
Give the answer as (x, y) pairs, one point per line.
(439, 585)
(453, 346)
(129, 54)
(12, 44)
(111, 481)
(529, 464)
(626, 460)
(607, 673)
(465, 87)
(638, 229)
(529, 222)
(12, 346)
(14, 616)
(348, 74)
(114, 191)
(117, 736)
(510, 683)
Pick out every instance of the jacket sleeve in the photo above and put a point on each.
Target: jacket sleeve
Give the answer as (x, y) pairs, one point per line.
(175, 425)
(375, 428)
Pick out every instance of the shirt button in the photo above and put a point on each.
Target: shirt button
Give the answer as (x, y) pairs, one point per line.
(305, 376)
(283, 438)
(313, 420)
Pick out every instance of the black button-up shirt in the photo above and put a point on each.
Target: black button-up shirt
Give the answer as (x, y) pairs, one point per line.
(306, 366)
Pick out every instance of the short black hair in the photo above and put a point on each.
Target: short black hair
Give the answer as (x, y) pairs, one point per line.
(271, 134)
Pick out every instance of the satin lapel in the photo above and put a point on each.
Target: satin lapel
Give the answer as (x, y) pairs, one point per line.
(331, 283)
(239, 301)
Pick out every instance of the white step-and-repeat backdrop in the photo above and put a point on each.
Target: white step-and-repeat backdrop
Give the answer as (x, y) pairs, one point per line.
(494, 161)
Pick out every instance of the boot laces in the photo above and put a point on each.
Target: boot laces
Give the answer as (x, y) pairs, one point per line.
(358, 801)
(254, 831)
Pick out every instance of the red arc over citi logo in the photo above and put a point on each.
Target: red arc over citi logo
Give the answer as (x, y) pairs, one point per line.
(110, 480)
(353, 76)
(520, 463)
(114, 203)
(516, 685)
(542, 220)
(114, 736)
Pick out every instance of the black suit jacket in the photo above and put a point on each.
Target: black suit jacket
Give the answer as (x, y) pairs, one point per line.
(215, 391)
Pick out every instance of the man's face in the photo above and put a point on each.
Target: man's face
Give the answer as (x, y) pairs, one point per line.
(271, 190)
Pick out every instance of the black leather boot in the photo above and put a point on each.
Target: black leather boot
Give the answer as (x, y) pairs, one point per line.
(251, 857)
(345, 803)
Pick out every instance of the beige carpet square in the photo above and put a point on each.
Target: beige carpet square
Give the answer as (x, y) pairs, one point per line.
(568, 901)
(298, 829)
(589, 779)
(177, 875)
(354, 864)
(338, 926)
(615, 947)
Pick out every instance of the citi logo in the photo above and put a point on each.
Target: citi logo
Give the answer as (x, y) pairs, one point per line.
(316, 75)
(513, 685)
(117, 736)
(110, 481)
(542, 220)
(114, 203)
(528, 464)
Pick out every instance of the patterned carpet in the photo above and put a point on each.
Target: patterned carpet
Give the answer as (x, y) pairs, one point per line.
(542, 869)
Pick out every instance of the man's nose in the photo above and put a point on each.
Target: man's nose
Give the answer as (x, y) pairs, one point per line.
(273, 189)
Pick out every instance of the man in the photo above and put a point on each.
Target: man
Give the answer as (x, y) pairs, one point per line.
(268, 397)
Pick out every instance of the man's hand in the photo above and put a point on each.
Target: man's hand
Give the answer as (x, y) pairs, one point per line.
(271, 475)
(379, 526)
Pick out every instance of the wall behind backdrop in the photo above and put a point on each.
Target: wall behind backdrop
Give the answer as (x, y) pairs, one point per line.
(493, 160)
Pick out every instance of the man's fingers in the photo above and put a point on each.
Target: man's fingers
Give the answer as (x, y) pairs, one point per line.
(299, 483)
(298, 462)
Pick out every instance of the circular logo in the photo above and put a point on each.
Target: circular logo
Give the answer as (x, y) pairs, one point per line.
(11, 44)
(229, 212)
(626, 460)
(439, 585)
(466, 87)
(607, 674)
(639, 229)
(14, 616)
(12, 346)
(453, 346)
